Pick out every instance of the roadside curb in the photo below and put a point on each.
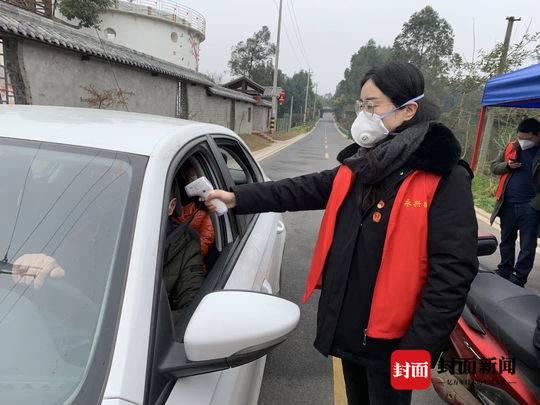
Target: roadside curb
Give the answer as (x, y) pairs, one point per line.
(344, 135)
(485, 216)
(271, 150)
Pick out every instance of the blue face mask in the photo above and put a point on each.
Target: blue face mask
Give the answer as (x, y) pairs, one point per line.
(368, 130)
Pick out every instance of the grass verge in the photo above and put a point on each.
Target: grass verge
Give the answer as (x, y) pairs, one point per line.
(294, 132)
(256, 142)
(483, 188)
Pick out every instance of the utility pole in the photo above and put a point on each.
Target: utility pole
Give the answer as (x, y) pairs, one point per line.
(307, 92)
(276, 69)
(314, 101)
(290, 114)
(488, 130)
(506, 45)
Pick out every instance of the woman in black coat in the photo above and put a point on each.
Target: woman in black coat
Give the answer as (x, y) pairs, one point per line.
(394, 136)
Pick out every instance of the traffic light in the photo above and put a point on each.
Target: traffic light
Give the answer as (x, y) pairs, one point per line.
(281, 97)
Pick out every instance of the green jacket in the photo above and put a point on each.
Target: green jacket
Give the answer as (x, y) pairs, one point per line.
(183, 270)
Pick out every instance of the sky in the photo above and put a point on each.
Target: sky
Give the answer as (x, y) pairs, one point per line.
(329, 33)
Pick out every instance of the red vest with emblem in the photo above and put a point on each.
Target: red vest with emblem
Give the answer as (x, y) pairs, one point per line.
(404, 265)
(509, 153)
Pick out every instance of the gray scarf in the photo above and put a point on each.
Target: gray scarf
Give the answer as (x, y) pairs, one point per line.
(375, 164)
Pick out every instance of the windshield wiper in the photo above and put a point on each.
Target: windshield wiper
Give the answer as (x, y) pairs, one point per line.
(5, 267)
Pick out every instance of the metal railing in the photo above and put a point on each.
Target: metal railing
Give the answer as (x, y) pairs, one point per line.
(42, 7)
(168, 9)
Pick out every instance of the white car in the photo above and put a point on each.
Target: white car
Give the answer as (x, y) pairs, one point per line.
(90, 188)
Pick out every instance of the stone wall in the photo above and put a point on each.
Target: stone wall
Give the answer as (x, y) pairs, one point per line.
(75, 82)
(83, 81)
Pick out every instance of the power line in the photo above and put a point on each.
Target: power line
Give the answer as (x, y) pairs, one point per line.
(120, 91)
(298, 32)
(54, 204)
(20, 202)
(289, 38)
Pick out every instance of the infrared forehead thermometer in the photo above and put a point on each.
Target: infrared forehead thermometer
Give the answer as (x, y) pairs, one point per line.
(202, 187)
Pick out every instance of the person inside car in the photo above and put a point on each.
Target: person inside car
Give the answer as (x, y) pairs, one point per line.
(183, 268)
(201, 222)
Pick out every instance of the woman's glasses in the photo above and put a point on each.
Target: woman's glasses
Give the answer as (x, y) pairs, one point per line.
(367, 106)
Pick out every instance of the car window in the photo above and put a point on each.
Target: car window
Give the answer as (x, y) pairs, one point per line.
(242, 169)
(62, 210)
(238, 173)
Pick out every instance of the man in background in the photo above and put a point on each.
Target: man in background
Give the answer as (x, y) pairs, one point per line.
(517, 192)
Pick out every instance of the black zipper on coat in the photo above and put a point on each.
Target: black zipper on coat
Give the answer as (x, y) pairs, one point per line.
(402, 176)
(364, 342)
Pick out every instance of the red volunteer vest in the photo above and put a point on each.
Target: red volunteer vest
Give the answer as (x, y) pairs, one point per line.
(404, 264)
(509, 153)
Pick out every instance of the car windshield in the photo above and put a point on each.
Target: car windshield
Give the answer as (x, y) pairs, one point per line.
(63, 216)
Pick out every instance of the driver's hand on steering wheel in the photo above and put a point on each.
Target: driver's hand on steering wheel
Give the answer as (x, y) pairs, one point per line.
(35, 267)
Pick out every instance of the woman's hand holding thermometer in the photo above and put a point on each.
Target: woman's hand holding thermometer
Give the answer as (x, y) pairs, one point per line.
(217, 201)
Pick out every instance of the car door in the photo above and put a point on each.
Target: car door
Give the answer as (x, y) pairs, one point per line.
(259, 263)
(242, 263)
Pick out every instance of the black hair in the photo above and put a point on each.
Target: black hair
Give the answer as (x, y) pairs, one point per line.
(529, 126)
(401, 82)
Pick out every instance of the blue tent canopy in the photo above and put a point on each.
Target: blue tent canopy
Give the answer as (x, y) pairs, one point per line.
(520, 89)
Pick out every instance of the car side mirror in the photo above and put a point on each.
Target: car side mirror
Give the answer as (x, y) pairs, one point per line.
(487, 245)
(228, 329)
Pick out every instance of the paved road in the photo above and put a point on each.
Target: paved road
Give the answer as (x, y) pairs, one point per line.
(295, 372)
(490, 263)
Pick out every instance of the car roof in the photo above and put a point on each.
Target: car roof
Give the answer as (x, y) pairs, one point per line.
(120, 131)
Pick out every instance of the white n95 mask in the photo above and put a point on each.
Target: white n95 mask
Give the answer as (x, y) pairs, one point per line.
(526, 144)
(368, 129)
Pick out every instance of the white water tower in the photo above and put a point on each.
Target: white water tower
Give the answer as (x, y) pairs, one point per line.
(165, 29)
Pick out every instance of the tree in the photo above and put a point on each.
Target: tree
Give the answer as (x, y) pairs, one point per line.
(427, 41)
(86, 11)
(264, 75)
(348, 90)
(108, 98)
(467, 84)
(295, 86)
(527, 48)
(216, 77)
(367, 57)
(252, 55)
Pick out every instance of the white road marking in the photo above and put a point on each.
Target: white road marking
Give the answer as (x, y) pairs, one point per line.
(326, 156)
(340, 397)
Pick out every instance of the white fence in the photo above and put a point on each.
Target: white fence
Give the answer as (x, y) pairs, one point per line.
(168, 9)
